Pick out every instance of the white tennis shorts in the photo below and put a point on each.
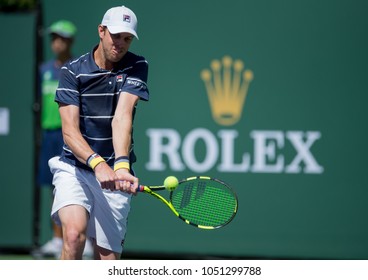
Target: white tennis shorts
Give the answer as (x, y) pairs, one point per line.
(108, 210)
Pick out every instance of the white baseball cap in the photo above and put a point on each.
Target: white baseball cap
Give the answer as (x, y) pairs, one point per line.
(120, 19)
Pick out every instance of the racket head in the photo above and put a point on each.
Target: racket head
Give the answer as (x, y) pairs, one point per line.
(205, 202)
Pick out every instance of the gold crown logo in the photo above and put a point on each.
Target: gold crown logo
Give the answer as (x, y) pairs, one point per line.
(227, 88)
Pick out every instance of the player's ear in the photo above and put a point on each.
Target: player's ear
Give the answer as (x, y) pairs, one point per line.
(101, 30)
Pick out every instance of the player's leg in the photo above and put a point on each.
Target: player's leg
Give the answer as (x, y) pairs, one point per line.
(71, 207)
(74, 220)
(105, 254)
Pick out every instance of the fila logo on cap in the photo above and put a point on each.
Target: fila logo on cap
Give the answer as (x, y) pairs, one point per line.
(126, 18)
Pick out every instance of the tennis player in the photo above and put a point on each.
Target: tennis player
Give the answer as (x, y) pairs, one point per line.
(94, 181)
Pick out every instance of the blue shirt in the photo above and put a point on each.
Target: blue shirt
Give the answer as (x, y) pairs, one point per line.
(96, 92)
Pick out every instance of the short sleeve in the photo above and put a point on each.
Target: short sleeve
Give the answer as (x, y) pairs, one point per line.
(67, 91)
(136, 80)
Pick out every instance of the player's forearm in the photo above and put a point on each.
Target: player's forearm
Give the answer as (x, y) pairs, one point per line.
(122, 124)
(71, 132)
(121, 131)
(77, 144)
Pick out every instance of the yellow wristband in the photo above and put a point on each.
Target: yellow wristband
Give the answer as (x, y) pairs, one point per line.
(96, 160)
(121, 165)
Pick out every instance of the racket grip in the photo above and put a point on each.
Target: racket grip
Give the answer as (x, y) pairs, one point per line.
(140, 188)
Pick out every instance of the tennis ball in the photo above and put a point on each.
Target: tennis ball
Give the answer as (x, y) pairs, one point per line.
(171, 183)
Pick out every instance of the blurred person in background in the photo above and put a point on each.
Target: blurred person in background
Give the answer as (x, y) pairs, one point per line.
(62, 35)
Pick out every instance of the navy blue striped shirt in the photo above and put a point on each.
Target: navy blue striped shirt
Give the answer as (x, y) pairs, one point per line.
(96, 92)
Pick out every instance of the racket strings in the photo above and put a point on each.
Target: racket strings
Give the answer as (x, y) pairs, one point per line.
(206, 203)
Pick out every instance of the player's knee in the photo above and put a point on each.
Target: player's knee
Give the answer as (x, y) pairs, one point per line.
(74, 238)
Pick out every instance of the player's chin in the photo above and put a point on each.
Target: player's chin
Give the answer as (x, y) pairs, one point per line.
(116, 56)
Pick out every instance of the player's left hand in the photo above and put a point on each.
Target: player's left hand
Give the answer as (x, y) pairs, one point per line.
(126, 182)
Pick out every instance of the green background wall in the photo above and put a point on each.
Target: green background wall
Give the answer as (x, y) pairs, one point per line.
(16, 144)
(309, 65)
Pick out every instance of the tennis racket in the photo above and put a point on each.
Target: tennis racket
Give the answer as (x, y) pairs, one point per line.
(200, 201)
